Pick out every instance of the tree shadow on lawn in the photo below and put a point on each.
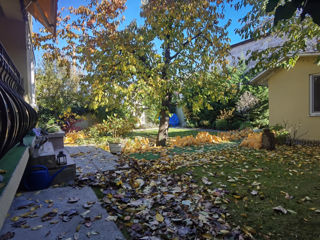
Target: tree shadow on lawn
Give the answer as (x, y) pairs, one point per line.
(173, 132)
(187, 149)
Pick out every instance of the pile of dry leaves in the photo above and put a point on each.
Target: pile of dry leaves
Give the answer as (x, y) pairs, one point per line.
(150, 201)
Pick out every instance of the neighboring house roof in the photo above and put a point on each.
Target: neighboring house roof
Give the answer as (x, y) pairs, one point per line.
(242, 51)
(242, 43)
(262, 77)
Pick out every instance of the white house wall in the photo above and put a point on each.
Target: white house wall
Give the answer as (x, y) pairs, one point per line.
(14, 35)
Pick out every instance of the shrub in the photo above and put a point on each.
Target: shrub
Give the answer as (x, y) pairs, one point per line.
(191, 124)
(44, 116)
(222, 124)
(94, 131)
(281, 134)
(236, 124)
(246, 102)
(245, 125)
(205, 123)
(118, 127)
(226, 114)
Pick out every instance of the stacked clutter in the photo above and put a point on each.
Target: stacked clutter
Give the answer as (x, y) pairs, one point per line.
(45, 163)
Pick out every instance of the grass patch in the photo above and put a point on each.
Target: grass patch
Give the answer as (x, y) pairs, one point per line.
(173, 132)
(181, 150)
(98, 192)
(258, 181)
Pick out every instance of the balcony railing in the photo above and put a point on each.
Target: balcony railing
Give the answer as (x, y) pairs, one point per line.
(17, 117)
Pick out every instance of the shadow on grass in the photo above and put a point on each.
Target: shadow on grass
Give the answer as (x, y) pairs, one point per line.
(173, 132)
(188, 149)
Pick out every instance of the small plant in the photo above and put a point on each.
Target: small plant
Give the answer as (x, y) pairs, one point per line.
(246, 102)
(281, 134)
(118, 127)
(226, 114)
(50, 126)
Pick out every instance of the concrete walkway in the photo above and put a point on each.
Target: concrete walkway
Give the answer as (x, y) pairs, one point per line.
(90, 159)
(49, 213)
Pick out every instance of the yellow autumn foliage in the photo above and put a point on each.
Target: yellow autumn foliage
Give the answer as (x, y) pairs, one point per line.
(201, 138)
(72, 137)
(138, 145)
(235, 135)
(254, 140)
(144, 144)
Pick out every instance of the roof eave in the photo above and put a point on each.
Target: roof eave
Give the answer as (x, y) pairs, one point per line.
(263, 77)
(45, 12)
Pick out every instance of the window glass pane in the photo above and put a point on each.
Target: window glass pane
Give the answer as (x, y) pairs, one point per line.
(316, 94)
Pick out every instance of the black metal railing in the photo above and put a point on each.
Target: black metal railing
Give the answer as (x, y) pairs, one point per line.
(17, 117)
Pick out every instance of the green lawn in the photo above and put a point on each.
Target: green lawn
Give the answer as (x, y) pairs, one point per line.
(257, 182)
(173, 132)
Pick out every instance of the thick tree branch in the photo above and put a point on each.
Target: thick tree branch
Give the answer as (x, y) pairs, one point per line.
(186, 43)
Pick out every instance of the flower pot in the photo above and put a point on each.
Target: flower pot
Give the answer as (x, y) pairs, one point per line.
(115, 148)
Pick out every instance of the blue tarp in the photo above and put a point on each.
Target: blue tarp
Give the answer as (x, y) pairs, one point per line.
(173, 120)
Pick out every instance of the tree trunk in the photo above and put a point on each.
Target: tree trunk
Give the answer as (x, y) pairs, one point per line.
(163, 128)
(166, 101)
(164, 121)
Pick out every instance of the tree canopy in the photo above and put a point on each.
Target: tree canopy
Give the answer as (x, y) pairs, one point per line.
(192, 42)
(287, 10)
(156, 63)
(292, 34)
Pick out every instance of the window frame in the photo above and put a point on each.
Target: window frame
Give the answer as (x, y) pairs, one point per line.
(312, 113)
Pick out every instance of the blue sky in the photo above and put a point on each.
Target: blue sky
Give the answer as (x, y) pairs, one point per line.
(133, 13)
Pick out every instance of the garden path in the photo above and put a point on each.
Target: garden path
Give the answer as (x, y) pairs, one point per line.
(90, 159)
(64, 212)
(40, 215)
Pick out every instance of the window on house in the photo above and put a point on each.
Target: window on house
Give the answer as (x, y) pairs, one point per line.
(315, 95)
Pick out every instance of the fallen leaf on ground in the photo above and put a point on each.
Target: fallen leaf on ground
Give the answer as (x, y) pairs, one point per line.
(280, 209)
(159, 217)
(73, 199)
(36, 227)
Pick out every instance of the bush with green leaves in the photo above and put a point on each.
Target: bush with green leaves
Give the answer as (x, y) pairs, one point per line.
(56, 88)
(222, 124)
(251, 104)
(282, 135)
(245, 125)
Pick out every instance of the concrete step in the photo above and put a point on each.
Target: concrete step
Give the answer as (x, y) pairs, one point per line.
(45, 155)
(68, 175)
